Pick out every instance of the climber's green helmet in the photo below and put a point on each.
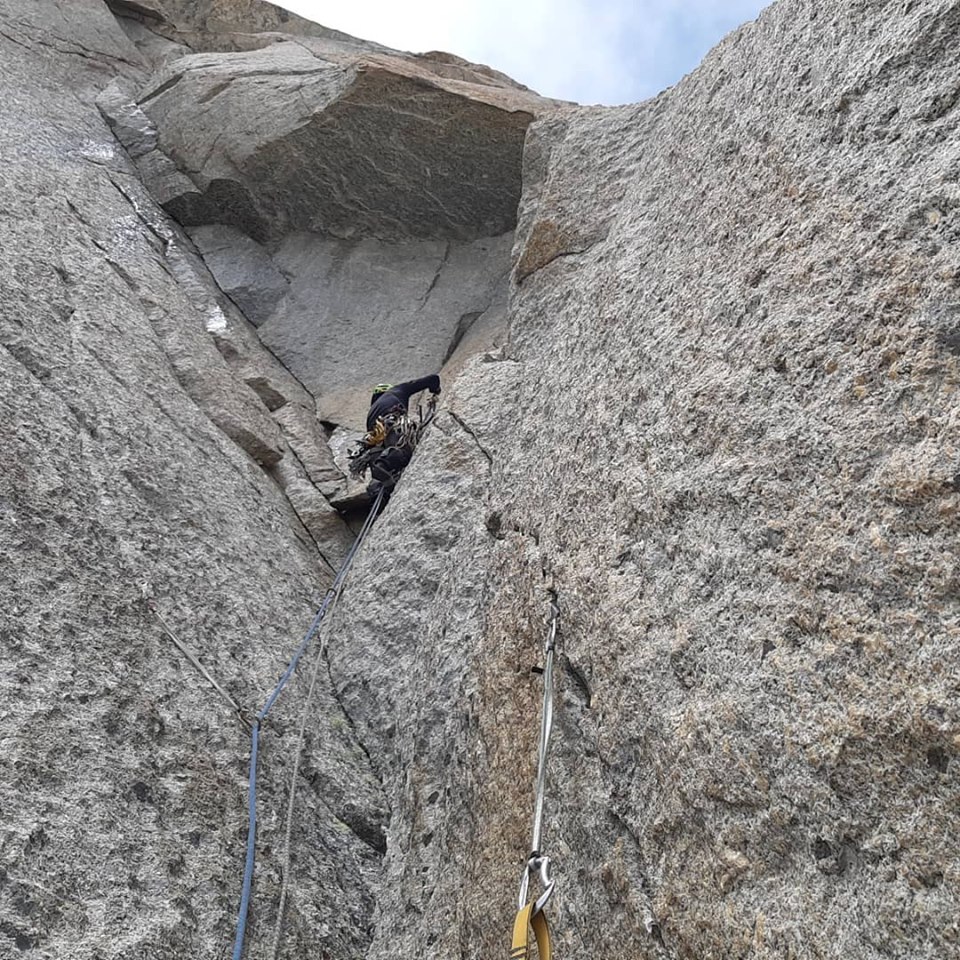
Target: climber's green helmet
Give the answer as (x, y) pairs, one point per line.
(382, 388)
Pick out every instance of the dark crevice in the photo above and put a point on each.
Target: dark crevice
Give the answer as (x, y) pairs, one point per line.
(222, 201)
(19, 43)
(164, 239)
(77, 214)
(356, 736)
(163, 88)
(133, 11)
(372, 834)
(464, 324)
(123, 274)
(366, 830)
(96, 57)
(215, 91)
(579, 681)
(436, 276)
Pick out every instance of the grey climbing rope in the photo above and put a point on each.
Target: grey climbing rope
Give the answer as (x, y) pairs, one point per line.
(291, 806)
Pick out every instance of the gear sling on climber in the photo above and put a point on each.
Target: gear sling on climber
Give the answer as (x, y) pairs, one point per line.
(391, 435)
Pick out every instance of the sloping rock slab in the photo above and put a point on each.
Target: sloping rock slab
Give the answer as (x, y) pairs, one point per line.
(243, 270)
(307, 440)
(324, 524)
(366, 312)
(123, 785)
(302, 136)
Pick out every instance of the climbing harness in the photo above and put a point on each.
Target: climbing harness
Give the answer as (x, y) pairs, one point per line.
(330, 599)
(530, 912)
(393, 431)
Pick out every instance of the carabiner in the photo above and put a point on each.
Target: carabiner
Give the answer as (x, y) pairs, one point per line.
(542, 864)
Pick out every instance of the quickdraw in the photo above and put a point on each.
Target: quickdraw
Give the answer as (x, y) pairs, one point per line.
(530, 912)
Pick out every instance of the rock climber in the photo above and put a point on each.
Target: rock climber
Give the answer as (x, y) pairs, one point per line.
(391, 435)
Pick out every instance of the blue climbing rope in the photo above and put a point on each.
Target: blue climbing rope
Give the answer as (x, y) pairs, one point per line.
(251, 841)
(331, 596)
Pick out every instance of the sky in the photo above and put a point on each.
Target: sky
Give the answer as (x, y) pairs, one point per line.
(591, 51)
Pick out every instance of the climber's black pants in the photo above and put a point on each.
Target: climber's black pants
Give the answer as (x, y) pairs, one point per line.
(390, 464)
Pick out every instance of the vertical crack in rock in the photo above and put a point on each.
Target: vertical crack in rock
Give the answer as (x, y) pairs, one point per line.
(374, 768)
(641, 882)
(318, 541)
(440, 265)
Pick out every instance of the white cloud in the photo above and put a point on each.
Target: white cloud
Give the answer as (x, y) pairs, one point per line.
(607, 51)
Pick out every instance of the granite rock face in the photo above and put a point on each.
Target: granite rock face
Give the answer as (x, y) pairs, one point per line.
(714, 407)
(229, 25)
(732, 451)
(131, 446)
(243, 270)
(307, 137)
(370, 263)
(366, 312)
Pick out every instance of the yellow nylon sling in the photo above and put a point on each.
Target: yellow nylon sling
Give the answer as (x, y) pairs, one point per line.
(541, 932)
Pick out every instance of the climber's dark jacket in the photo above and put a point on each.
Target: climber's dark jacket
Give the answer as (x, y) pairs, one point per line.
(396, 398)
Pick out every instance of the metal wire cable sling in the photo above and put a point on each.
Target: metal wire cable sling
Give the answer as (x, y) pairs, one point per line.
(530, 912)
(331, 596)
